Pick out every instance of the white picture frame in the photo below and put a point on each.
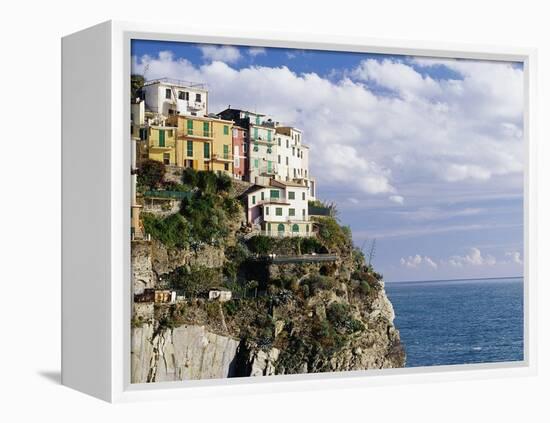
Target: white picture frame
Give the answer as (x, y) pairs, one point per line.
(96, 301)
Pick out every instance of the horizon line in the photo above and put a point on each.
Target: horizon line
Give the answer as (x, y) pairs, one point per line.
(456, 279)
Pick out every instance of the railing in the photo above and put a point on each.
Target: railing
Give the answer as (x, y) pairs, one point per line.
(179, 82)
(177, 195)
(319, 211)
(284, 234)
(193, 133)
(224, 157)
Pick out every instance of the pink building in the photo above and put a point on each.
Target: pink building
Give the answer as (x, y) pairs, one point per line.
(240, 153)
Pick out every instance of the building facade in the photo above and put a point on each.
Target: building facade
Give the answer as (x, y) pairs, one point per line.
(169, 97)
(240, 153)
(279, 210)
(293, 158)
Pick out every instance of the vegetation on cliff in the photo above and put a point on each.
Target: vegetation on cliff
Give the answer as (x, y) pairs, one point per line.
(314, 313)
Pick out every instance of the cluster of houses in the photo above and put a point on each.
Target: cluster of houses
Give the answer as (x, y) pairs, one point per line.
(171, 123)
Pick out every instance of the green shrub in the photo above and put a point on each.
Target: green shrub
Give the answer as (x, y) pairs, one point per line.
(172, 231)
(340, 316)
(223, 183)
(150, 174)
(194, 280)
(190, 177)
(260, 244)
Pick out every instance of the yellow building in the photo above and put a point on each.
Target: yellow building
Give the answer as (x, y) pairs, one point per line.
(222, 146)
(203, 143)
(161, 144)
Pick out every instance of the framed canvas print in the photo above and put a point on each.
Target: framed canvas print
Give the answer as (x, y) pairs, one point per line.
(261, 213)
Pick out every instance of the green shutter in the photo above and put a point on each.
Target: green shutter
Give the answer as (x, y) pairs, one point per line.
(253, 199)
(269, 166)
(291, 212)
(162, 142)
(257, 120)
(225, 130)
(256, 163)
(262, 195)
(291, 195)
(189, 148)
(205, 129)
(274, 193)
(255, 133)
(225, 151)
(190, 127)
(269, 136)
(206, 150)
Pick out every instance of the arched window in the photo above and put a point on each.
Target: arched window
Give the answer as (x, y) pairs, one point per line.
(281, 228)
(295, 228)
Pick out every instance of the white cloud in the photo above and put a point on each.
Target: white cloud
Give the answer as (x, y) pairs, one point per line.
(353, 200)
(256, 51)
(227, 54)
(430, 138)
(431, 213)
(416, 261)
(398, 199)
(474, 257)
(515, 257)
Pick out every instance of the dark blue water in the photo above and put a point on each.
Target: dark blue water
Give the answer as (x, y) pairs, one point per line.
(459, 322)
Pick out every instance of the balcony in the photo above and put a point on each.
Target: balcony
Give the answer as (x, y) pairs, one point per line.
(223, 157)
(195, 134)
(164, 147)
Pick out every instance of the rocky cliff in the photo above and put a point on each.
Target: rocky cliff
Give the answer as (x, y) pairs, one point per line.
(326, 312)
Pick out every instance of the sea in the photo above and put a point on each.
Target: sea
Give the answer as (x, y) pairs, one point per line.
(459, 321)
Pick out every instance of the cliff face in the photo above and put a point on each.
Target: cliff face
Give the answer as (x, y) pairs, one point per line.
(208, 351)
(315, 314)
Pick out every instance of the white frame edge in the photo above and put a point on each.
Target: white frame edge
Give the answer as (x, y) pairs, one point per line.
(118, 283)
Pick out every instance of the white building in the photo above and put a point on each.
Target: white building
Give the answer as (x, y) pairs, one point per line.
(169, 97)
(293, 158)
(279, 209)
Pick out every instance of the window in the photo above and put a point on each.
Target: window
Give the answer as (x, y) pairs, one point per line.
(295, 228)
(245, 148)
(256, 163)
(188, 164)
(225, 129)
(189, 148)
(168, 93)
(262, 195)
(143, 134)
(162, 142)
(269, 166)
(291, 212)
(286, 143)
(281, 228)
(225, 151)
(268, 227)
(205, 129)
(170, 133)
(166, 158)
(190, 127)
(278, 211)
(287, 161)
(274, 193)
(255, 133)
(226, 167)
(303, 196)
(279, 142)
(269, 136)
(253, 199)
(291, 195)
(293, 152)
(257, 120)
(183, 95)
(303, 212)
(266, 210)
(198, 97)
(206, 150)
(279, 159)
(307, 228)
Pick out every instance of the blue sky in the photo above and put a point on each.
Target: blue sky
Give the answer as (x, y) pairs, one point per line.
(422, 154)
